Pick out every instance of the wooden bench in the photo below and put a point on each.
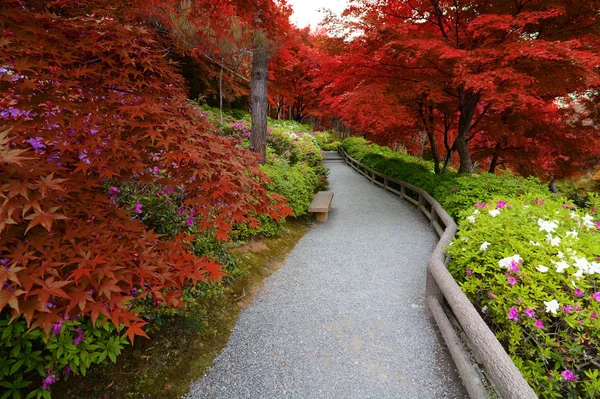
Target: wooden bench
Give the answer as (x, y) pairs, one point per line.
(321, 205)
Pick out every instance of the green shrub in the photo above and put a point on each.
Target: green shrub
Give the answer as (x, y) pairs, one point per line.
(514, 258)
(72, 346)
(453, 191)
(333, 146)
(295, 182)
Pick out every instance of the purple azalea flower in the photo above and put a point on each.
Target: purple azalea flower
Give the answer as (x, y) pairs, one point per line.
(469, 272)
(530, 313)
(189, 221)
(50, 305)
(480, 205)
(113, 191)
(134, 291)
(78, 340)
(567, 308)
(598, 225)
(4, 261)
(514, 267)
(137, 208)
(501, 204)
(513, 314)
(578, 292)
(67, 369)
(596, 296)
(51, 379)
(453, 189)
(594, 316)
(56, 327)
(79, 331)
(569, 376)
(539, 324)
(512, 281)
(36, 143)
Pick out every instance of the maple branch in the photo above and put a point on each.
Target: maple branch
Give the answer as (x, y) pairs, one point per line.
(440, 23)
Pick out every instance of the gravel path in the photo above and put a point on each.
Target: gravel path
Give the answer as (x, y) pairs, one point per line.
(345, 316)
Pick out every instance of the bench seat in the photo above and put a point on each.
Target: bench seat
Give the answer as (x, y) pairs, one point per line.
(321, 205)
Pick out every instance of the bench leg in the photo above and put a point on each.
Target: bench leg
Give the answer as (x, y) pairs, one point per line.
(321, 216)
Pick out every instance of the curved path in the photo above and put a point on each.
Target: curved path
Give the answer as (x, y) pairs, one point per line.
(345, 316)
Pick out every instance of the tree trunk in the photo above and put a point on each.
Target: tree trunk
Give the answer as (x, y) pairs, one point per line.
(552, 186)
(221, 93)
(258, 95)
(467, 105)
(495, 157)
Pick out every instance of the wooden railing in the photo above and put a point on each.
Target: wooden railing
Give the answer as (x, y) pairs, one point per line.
(504, 376)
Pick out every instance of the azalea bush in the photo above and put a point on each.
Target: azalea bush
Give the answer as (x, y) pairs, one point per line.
(452, 190)
(531, 267)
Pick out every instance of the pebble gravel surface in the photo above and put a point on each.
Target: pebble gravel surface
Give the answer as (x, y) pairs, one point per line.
(345, 316)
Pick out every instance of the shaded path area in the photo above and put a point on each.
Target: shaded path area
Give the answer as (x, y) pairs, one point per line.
(345, 316)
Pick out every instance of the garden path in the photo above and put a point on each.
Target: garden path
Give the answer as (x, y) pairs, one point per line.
(345, 316)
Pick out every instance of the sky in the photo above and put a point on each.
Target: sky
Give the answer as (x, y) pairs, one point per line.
(305, 11)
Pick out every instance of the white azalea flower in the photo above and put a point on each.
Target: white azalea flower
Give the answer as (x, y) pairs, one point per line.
(554, 241)
(588, 221)
(535, 244)
(505, 263)
(561, 266)
(547, 226)
(552, 306)
(465, 239)
(476, 212)
(484, 246)
(581, 263)
(471, 219)
(578, 274)
(542, 268)
(572, 233)
(594, 268)
(560, 255)
(494, 212)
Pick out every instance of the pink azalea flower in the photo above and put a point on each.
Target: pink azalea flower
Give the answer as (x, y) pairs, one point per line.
(539, 324)
(114, 191)
(512, 281)
(569, 376)
(530, 313)
(480, 205)
(594, 316)
(51, 379)
(189, 221)
(596, 296)
(501, 204)
(567, 308)
(469, 272)
(514, 267)
(513, 314)
(137, 208)
(578, 292)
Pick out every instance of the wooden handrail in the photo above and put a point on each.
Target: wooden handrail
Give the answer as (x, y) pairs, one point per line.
(504, 376)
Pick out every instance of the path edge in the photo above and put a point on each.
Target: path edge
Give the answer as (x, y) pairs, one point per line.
(503, 374)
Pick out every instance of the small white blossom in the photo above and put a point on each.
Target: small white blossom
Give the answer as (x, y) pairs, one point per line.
(578, 274)
(560, 255)
(588, 221)
(465, 239)
(476, 212)
(484, 309)
(547, 226)
(572, 233)
(542, 268)
(552, 306)
(494, 212)
(535, 244)
(554, 241)
(471, 219)
(594, 268)
(561, 266)
(484, 246)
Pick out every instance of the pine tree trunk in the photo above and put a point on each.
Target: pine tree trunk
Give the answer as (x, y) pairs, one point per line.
(258, 95)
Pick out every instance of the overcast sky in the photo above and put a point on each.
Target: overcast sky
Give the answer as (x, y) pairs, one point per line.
(305, 11)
